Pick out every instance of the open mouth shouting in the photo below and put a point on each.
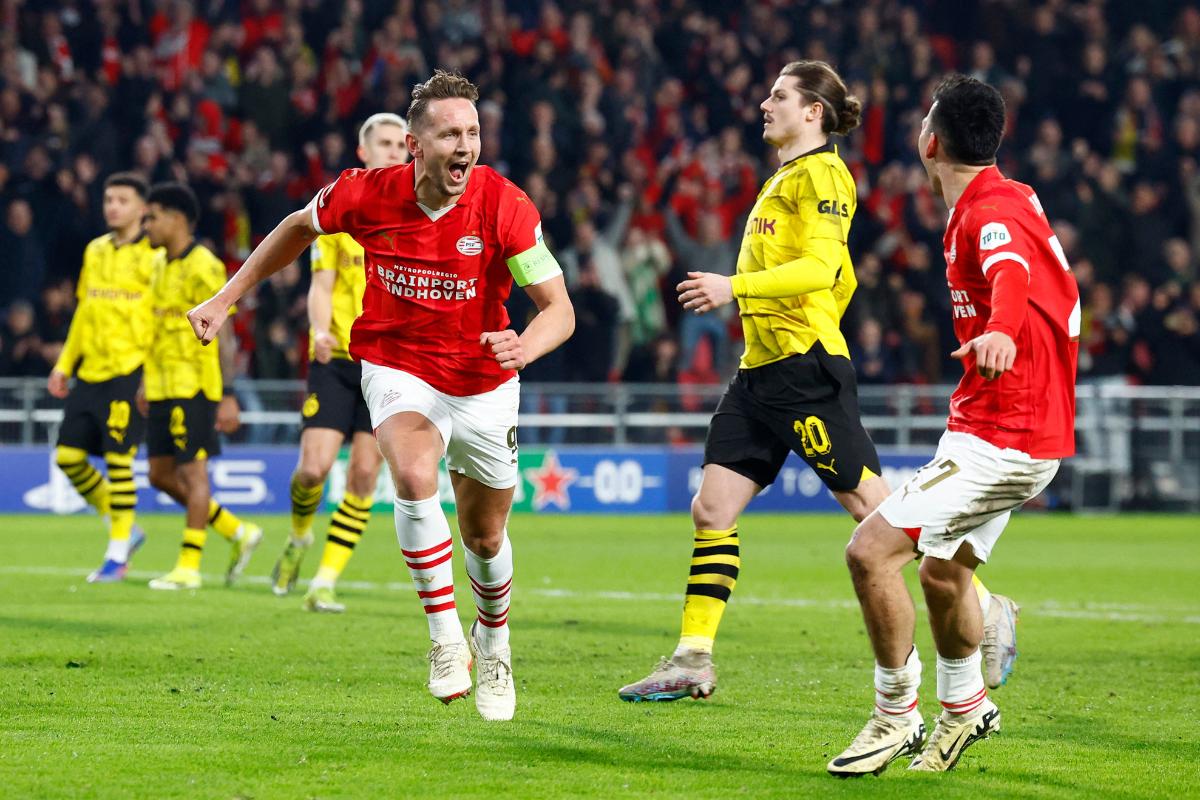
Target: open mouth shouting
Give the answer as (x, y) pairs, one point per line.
(458, 169)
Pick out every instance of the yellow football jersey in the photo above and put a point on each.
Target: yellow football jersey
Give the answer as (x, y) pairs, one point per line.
(808, 203)
(112, 326)
(178, 366)
(339, 252)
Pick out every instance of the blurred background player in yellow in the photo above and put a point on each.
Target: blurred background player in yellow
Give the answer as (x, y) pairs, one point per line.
(105, 349)
(796, 390)
(334, 409)
(188, 387)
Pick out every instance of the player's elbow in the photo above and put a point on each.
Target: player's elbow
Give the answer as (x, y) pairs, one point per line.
(568, 319)
(300, 222)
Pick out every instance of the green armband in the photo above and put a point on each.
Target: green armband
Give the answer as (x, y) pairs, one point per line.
(535, 265)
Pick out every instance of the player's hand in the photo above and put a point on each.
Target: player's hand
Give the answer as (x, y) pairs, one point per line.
(323, 343)
(704, 291)
(228, 414)
(208, 317)
(506, 348)
(57, 384)
(143, 405)
(994, 352)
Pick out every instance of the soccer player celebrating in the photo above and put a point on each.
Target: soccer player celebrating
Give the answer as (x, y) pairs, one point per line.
(443, 240)
(796, 389)
(105, 349)
(188, 388)
(334, 409)
(1012, 419)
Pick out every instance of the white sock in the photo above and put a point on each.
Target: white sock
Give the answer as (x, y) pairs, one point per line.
(960, 683)
(302, 539)
(424, 536)
(118, 550)
(896, 689)
(491, 584)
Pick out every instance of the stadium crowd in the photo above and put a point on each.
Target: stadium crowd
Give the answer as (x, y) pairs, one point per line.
(634, 127)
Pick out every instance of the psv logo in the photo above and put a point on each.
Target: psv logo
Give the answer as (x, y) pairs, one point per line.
(470, 245)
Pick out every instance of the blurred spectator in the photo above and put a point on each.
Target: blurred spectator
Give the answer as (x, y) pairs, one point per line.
(24, 258)
(611, 115)
(592, 350)
(22, 347)
(874, 359)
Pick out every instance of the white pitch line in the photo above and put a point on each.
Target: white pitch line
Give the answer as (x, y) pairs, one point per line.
(1104, 612)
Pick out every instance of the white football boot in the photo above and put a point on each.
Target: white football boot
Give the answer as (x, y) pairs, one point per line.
(449, 671)
(954, 733)
(885, 738)
(495, 691)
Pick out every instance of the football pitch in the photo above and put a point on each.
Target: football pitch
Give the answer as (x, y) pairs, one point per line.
(118, 691)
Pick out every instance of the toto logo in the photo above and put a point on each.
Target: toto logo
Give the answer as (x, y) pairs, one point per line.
(470, 245)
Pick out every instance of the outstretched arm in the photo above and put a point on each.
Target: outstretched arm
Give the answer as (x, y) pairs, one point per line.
(281, 247)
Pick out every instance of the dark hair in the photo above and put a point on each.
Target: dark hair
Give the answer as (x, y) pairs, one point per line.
(820, 83)
(968, 120)
(176, 197)
(442, 86)
(131, 179)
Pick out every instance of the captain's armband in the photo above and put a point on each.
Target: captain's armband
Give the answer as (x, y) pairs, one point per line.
(535, 265)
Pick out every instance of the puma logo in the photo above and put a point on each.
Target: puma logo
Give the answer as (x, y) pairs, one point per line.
(829, 466)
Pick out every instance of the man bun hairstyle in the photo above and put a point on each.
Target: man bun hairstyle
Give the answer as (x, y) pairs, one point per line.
(442, 86)
(820, 83)
(968, 119)
(174, 196)
(131, 179)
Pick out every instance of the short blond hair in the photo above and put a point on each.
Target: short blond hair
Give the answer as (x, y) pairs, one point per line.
(375, 120)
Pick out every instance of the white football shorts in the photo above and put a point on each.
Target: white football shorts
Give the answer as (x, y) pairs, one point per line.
(966, 494)
(479, 431)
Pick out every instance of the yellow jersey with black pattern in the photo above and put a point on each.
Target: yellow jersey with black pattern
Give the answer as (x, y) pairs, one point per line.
(340, 254)
(808, 199)
(178, 366)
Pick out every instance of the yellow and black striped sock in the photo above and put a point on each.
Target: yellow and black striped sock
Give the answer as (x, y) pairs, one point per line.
(715, 562)
(86, 479)
(223, 520)
(305, 501)
(345, 530)
(122, 493)
(193, 548)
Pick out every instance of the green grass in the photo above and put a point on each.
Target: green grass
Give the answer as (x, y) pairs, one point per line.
(117, 691)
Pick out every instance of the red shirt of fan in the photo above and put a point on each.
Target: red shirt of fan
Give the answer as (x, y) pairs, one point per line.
(1007, 272)
(436, 279)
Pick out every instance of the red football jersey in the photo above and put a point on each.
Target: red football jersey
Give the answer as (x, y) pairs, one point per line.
(1007, 272)
(436, 280)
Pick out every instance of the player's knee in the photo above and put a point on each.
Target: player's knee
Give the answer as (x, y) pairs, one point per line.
(310, 476)
(68, 456)
(708, 514)
(859, 556)
(161, 477)
(414, 481)
(361, 481)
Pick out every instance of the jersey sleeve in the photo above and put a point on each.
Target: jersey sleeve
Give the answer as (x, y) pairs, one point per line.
(522, 245)
(826, 202)
(999, 236)
(337, 207)
(1004, 250)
